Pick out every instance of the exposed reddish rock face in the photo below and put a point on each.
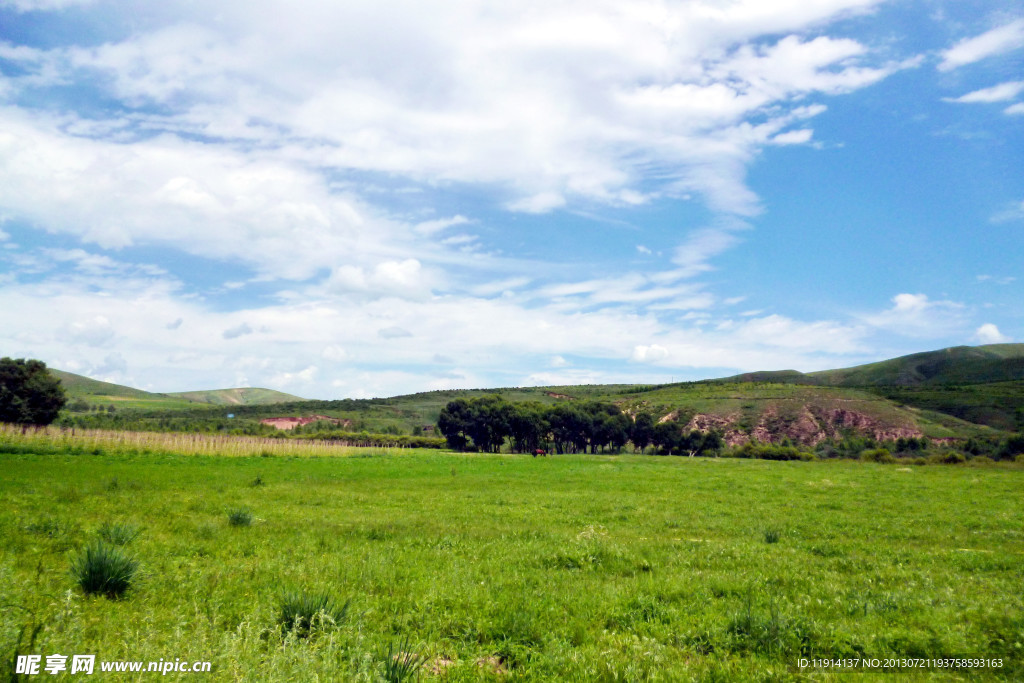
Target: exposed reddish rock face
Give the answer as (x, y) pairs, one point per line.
(807, 427)
(292, 422)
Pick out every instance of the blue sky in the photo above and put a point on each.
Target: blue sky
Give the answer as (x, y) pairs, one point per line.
(367, 199)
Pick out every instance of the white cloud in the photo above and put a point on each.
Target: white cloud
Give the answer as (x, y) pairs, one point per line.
(1014, 109)
(915, 315)
(996, 41)
(541, 202)
(649, 354)
(335, 353)
(545, 103)
(793, 137)
(42, 5)
(990, 334)
(1013, 212)
(997, 93)
(237, 331)
(94, 331)
(439, 224)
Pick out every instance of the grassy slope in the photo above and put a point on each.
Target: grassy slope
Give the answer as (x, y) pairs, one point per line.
(97, 392)
(247, 396)
(956, 365)
(568, 568)
(916, 384)
(105, 393)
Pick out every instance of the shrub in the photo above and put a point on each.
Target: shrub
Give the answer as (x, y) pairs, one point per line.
(949, 458)
(881, 455)
(303, 612)
(118, 533)
(240, 517)
(103, 569)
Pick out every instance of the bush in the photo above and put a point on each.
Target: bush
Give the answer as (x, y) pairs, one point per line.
(240, 517)
(881, 455)
(103, 569)
(303, 612)
(949, 458)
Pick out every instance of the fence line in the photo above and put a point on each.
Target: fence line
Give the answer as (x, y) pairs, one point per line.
(184, 443)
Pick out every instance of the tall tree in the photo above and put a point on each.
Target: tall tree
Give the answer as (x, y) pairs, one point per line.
(28, 393)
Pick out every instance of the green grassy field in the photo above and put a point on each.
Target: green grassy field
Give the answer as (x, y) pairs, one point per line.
(614, 568)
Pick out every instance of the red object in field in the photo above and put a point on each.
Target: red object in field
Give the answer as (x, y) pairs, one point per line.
(539, 451)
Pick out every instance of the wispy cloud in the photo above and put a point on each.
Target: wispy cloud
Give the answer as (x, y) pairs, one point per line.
(997, 93)
(1004, 38)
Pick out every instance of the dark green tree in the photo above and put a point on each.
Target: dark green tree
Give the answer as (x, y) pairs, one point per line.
(641, 431)
(28, 393)
(454, 424)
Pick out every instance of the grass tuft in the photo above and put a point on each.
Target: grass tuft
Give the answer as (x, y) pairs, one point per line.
(118, 533)
(772, 535)
(400, 664)
(240, 517)
(103, 569)
(303, 613)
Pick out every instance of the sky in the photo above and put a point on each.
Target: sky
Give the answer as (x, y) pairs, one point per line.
(361, 199)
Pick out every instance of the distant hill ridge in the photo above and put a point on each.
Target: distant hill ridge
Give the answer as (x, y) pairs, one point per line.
(955, 365)
(96, 391)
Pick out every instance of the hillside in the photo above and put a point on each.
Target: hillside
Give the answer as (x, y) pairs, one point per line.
(942, 394)
(97, 393)
(244, 396)
(955, 365)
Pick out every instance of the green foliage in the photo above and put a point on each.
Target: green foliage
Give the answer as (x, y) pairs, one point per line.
(767, 451)
(772, 535)
(28, 393)
(240, 517)
(304, 613)
(881, 455)
(118, 533)
(400, 664)
(104, 569)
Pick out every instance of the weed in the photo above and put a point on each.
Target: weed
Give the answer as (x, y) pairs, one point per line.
(240, 517)
(303, 613)
(118, 533)
(103, 569)
(401, 665)
(772, 535)
(257, 482)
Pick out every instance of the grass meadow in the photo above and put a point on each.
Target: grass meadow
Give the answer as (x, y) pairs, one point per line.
(498, 567)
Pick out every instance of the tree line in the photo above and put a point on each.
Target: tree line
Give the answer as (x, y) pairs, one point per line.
(488, 423)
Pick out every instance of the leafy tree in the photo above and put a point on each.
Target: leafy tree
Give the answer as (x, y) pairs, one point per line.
(489, 422)
(641, 431)
(28, 393)
(454, 424)
(528, 426)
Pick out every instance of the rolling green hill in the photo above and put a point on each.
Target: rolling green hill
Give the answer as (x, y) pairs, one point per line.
(245, 396)
(955, 365)
(97, 393)
(951, 393)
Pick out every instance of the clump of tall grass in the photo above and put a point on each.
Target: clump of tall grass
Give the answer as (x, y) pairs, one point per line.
(772, 535)
(240, 517)
(303, 612)
(400, 664)
(118, 533)
(104, 569)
